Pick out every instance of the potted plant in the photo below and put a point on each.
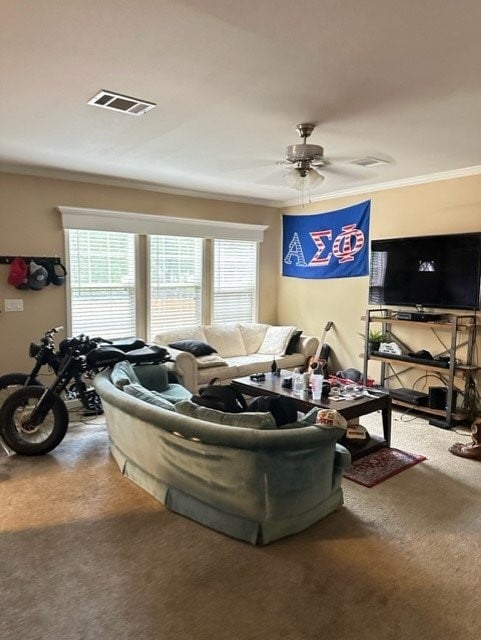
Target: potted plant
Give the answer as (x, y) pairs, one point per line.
(374, 339)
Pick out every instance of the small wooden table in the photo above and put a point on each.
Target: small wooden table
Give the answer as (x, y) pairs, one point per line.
(349, 409)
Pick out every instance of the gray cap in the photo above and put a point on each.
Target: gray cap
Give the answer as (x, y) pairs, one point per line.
(37, 277)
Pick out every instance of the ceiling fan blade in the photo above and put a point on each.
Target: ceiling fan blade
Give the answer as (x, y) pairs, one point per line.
(247, 165)
(343, 171)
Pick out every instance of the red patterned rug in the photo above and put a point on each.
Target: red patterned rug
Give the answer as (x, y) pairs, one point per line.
(380, 465)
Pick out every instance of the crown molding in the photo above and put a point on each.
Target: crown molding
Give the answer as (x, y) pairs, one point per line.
(58, 174)
(383, 186)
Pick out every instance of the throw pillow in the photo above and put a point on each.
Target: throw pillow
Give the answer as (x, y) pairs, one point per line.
(195, 347)
(276, 340)
(247, 420)
(293, 343)
(151, 397)
(123, 373)
(227, 339)
(253, 334)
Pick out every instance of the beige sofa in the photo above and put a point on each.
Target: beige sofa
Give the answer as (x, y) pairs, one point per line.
(241, 350)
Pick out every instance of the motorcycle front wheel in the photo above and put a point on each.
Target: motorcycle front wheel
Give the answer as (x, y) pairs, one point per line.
(24, 438)
(10, 382)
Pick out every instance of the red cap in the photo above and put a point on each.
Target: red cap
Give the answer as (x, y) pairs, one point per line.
(18, 272)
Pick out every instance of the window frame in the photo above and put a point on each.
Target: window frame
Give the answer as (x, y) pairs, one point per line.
(143, 225)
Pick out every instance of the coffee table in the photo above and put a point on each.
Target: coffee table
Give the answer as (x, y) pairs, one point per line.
(349, 409)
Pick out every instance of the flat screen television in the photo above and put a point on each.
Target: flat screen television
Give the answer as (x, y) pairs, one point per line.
(426, 271)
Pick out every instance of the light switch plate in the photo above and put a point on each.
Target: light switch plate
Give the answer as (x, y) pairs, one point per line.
(14, 304)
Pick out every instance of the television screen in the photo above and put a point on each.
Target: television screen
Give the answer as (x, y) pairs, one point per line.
(427, 271)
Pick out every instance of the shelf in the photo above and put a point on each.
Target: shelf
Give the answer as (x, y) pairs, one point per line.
(467, 324)
(458, 416)
(460, 370)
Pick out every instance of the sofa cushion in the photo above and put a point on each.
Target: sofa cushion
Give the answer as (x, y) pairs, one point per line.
(214, 360)
(195, 347)
(204, 376)
(249, 420)
(189, 332)
(253, 335)
(151, 397)
(276, 340)
(226, 338)
(293, 342)
(123, 373)
(175, 393)
(153, 376)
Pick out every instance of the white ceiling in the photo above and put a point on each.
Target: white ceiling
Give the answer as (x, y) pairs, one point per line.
(397, 80)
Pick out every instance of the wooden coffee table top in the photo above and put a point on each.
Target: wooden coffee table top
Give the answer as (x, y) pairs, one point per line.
(272, 385)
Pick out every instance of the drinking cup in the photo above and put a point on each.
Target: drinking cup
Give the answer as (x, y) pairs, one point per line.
(316, 386)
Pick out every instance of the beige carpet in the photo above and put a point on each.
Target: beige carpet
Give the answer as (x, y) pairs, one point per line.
(86, 555)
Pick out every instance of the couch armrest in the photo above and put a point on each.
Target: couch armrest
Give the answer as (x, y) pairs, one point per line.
(342, 457)
(184, 365)
(308, 345)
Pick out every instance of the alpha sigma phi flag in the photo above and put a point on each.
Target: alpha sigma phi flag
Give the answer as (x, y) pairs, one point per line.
(327, 245)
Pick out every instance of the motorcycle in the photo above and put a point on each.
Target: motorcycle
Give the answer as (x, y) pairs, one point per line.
(46, 354)
(34, 419)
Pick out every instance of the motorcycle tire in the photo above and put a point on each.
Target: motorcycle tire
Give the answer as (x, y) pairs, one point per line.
(12, 382)
(44, 437)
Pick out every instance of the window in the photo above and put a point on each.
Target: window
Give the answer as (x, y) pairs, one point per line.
(102, 283)
(175, 282)
(190, 271)
(235, 281)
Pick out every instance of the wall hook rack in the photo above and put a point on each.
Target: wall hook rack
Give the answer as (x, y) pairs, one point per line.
(51, 259)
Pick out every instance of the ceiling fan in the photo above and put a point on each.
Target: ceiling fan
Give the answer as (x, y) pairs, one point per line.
(304, 161)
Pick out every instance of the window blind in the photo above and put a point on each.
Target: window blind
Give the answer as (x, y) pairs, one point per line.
(235, 281)
(102, 283)
(175, 282)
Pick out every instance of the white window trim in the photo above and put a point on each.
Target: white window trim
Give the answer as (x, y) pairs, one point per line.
(159, 225)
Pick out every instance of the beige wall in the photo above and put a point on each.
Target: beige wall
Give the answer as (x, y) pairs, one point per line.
(448, 206)
(30, 225)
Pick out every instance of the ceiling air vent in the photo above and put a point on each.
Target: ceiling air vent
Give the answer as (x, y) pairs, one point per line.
(369, 161)
(118, 102)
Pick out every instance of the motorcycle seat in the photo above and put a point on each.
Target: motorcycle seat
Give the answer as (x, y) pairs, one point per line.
(128, 344)
(150, 354)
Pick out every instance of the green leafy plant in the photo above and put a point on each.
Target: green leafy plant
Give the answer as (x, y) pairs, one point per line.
(375, 336)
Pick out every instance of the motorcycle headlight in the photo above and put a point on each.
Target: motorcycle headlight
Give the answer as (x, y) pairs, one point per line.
(34, 349)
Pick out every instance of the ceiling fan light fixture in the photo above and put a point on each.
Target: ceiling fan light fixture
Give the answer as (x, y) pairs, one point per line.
(302, 178)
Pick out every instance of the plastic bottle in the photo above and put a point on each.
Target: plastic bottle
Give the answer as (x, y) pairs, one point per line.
(297, 382)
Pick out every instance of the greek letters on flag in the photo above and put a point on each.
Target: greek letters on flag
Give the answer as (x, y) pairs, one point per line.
(327, 245)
